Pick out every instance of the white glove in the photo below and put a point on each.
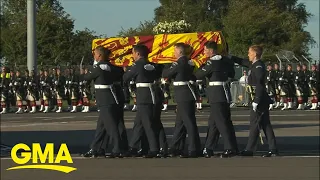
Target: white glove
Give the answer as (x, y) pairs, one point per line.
(254, 106)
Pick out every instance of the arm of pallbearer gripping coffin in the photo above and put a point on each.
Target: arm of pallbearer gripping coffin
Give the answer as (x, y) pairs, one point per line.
(204, 71)
(93, 74)
(171, 72)
(240, 61)
(131, 73)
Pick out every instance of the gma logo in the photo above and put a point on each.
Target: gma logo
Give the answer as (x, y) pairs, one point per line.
(41, 159)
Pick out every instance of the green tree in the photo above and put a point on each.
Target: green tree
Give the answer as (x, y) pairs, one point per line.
(273, 23)
(203, 15)
(81, 46)
(53, 31)
(57, 43)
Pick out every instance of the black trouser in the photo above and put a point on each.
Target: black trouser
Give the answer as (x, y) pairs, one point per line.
(178, 141)
(186, 123)
(257, 120)
(159, 132)
(126, 93)
(108, 120)
(220, 122)
(144, 123)
(103, 136)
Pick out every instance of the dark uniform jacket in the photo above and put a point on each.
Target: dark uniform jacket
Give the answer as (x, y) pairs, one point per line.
(118, 84)
(142, 71)
(181, 71)
(256, 79)
(103, 73)
(217, 69)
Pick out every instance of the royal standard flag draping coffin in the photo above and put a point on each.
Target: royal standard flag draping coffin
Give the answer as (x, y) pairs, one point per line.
(161, 46)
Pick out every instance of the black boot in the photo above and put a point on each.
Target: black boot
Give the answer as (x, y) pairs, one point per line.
(246, 153)
(207, 153)
(90, 154)
(228, 153)
(271, 153)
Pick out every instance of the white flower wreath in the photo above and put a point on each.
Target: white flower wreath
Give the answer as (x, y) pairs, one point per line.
(172, 27)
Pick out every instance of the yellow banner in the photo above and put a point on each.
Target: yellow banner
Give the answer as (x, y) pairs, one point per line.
(161, 46)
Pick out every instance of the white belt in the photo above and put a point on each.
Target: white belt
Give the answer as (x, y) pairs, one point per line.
(144, 84)
(102, 86)
(217, 83)
(180, 83)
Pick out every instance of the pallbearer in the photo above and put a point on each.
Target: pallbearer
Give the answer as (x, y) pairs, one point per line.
(218, 69)
(181, 72)
(259, 113)
(144, 74)
(103, 75)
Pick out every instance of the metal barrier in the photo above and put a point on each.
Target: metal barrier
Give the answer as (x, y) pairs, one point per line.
(239, 95)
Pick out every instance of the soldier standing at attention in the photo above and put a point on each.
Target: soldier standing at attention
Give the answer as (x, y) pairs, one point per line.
(103, 75)
(181, 73)
(259, 114)
(144, 74)
(218, 69)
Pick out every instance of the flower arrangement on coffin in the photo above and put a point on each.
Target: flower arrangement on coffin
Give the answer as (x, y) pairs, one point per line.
(173, 27)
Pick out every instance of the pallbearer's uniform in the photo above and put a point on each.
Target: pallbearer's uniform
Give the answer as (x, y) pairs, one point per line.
(259, 114)
(158, 126)
(144, 74)
(181, 73)
(120, 114)
(102, 74)
(218, 69)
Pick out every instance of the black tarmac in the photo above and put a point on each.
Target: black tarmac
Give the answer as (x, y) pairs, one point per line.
(297, 135)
